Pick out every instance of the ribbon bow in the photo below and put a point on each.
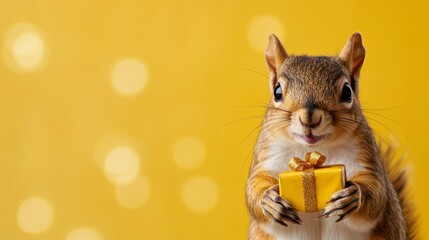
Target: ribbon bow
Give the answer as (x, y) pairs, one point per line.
(312, 160)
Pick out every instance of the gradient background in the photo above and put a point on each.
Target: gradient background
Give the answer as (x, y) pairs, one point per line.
(135, 119)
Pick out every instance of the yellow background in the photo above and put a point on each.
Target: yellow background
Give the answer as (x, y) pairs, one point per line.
(205, 86)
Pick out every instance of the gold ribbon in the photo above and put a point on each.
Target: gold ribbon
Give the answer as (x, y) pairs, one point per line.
(312, 160)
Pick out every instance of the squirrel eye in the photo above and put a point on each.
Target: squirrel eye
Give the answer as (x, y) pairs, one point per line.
(346, 94)
(278, 93)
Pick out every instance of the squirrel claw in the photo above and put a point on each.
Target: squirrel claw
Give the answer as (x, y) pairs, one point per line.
(279, 210)
(343, 203)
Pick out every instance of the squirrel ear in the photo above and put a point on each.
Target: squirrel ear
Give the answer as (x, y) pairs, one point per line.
(275, 55)
(353, 54)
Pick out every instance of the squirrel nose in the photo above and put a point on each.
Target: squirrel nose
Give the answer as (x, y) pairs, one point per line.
(311, 125)
(310, 118)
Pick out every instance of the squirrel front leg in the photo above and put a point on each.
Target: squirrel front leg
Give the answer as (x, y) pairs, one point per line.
(265, 203)
(364, 198)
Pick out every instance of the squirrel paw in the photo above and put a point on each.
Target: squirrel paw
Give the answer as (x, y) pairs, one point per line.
(278, 209)
(344, 202)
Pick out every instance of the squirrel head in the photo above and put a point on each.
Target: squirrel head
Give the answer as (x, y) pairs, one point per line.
(314, 98)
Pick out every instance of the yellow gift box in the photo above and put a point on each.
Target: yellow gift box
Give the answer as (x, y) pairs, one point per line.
(309, 186)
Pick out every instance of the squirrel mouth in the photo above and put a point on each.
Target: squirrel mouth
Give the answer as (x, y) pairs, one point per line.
(311, 138)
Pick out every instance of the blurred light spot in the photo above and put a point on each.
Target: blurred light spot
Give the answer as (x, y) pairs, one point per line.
(129, 76)
(200, 194)
(259, 30)
(25, 49)
(35, 215)
(122, 165)
(134, 194)
(84, 234)
(189, 153)
(105, 144)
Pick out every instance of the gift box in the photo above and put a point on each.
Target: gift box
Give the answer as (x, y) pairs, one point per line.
(310, 185)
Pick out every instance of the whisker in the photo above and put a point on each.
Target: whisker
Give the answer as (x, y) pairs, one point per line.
(237, 121)
(397, 123)
(268, 124)
(259, 73)
(389, 130)
(382, 109)
(247, 106)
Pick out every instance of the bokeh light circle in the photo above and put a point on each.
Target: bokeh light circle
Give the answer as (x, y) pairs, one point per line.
(260, 28)
(129, 76)
(189, 153)
(200, 194)
(122, 165)
(84, 234)
(24, 48)
(35, 215)
(134, 194)
(105, 143)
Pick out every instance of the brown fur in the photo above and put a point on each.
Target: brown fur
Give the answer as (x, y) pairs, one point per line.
(399, 175)
(313, 84)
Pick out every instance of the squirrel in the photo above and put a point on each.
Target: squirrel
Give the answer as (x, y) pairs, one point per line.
(315, 107)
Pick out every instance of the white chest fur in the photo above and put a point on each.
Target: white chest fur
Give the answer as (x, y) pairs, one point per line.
(281, 152)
